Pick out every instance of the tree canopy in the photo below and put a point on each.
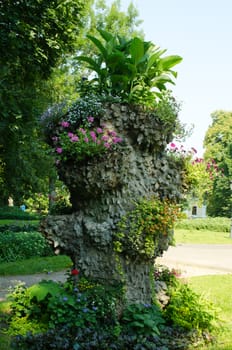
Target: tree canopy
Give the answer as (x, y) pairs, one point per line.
(37, 40)
(218, 148)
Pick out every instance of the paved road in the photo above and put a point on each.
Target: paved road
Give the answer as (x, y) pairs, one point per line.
(199, 259)
(190, 259)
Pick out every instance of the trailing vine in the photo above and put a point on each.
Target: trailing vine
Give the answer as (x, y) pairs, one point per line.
(140, 230)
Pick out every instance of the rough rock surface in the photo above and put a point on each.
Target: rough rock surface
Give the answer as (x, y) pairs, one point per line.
(103, 189)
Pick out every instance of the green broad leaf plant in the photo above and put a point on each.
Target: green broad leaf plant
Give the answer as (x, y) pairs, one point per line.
(133, 69)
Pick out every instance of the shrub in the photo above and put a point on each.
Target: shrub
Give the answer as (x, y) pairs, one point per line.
(210, 224)
(11, 227)
(22, 245)
(16, 214)
(188, 309)
(87, 316)
(141, 229)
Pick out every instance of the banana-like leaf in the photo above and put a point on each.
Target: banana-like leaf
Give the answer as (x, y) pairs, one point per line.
(161, 80)
(105, 35)
(136, 50)
(168, 62)
(99, 45)
(92, 64)
(154, 58)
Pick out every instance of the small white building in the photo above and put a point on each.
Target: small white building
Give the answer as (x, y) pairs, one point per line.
(196, 210)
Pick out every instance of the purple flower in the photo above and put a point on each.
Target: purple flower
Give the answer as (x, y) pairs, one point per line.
(55, 138)
(59, 150)
(86, 139)
(172, 145)
(117, 139)
(105, 138)
(70, 134)
(90, 119)
(83, 131)
(93, 135)
(112, 133)
(74, 138)
(107, 145)
(65, 124)
(65, 298)
(99, 130)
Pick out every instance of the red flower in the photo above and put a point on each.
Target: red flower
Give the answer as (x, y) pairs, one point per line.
(75, 272)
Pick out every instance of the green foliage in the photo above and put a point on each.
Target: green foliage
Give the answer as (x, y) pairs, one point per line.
(16, 213)
(22, 245)
(189, 310)
(218, 146)
(140, 230)
(129, 68)
(90, 316)
(143, 319)
(35, 37)
(219, 224)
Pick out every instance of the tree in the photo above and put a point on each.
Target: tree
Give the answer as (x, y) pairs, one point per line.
(35, 37)
(218, 145)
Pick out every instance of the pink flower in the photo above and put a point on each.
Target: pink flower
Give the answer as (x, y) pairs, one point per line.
(65, 124)
(117, 139)
(86, 139)
(172, 145)
(105, 138)
(99, 130)
(112, 133)
(90, 119)
(74, 138)
(70, 134)
(82, 131)
(93, 135)
(59, 150)
(107, 145)
(55, 138)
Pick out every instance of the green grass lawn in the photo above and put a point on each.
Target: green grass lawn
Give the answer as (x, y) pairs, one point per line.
(201, 237)
(35, 265)
(218, 289)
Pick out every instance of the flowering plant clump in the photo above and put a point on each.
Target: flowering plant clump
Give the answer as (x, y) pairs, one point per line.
(85, 142)
(140, 229)
(179, 152)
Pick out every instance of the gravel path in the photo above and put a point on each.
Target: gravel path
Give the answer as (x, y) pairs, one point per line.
(6, 282)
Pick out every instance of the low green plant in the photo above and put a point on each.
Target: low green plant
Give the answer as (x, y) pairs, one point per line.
(141, 228)
(16, 213)
(143, 319)
(86, 315)
(18, 226)
(22, 245)
(189, 310)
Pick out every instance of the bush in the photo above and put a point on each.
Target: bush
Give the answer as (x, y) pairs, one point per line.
(189, 310)
(16, 214)
(89, 316)
(22, 245)
(18, 228)
(210, 224)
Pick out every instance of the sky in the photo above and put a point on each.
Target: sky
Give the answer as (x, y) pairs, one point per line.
(200, 31)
